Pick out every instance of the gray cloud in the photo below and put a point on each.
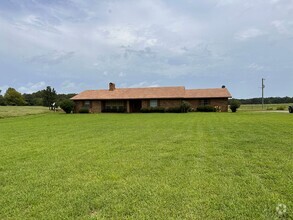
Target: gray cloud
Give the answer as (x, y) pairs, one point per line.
(32, 87)
(154, 42)
(52, 58)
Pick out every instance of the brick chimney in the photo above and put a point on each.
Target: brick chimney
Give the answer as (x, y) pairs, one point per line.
(111, 86)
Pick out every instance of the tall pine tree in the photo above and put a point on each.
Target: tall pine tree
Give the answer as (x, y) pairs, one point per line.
(49, 96)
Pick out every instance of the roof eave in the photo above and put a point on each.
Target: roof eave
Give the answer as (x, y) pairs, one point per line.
(202, 97)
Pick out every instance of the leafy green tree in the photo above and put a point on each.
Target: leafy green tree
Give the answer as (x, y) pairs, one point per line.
(38, 101)
(234, 105)
(12, 97)
(62, 97)
(34, 99)
(67, 106)
(49, 96)
(28, 98)
(268, 100)
(2, 100)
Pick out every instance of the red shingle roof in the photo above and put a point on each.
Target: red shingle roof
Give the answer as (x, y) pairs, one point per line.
(152, 93)
(207, 93)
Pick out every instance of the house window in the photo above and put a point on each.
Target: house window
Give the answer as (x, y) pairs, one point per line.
(153, 103)
(114, 103)
(87, 104)
(204, 102)
(114, 106)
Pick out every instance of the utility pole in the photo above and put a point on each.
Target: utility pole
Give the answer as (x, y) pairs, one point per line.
(262, 92)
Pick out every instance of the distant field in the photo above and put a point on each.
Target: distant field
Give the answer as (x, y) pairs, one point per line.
(258, 107)
(12, 111)
(146, 166)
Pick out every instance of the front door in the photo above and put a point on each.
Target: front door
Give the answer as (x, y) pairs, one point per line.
(135, 105)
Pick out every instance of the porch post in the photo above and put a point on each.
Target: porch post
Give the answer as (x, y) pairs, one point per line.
(127, 106)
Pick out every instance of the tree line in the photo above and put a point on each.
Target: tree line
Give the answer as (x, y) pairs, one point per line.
(267, 100)
(45, 97)
(49, 95)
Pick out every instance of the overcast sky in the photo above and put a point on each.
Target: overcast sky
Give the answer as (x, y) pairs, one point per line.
(74, 45)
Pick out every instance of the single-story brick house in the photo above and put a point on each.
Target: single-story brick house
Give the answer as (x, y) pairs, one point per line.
(133, 99)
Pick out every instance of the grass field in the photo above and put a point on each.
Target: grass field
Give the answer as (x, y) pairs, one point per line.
(13, 111)
(258, 107)
(146, 166)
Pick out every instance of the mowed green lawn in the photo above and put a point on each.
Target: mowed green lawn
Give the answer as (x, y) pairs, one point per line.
(146, 166)
(267, 107)
(13, 111)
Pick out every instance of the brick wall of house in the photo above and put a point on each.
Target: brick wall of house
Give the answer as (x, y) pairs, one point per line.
(145, 103)
(77, 106)
(165, 103)
(96, 106)
(194, 103)
(169, 103)
(221, 102)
